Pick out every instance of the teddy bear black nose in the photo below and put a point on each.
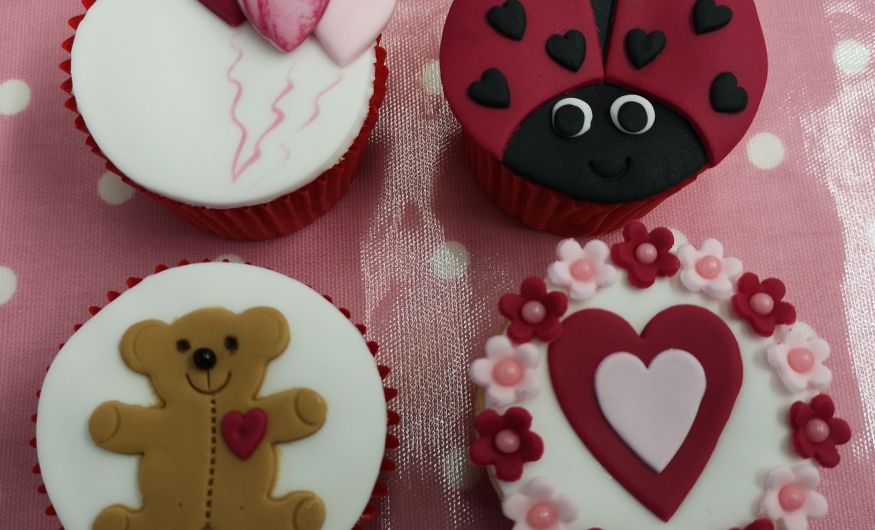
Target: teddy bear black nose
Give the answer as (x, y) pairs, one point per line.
(204, 359)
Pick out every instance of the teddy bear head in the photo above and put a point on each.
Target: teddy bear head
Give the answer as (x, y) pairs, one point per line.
(206, 353)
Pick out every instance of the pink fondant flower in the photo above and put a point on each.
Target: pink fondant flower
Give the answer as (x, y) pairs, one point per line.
(538, 507)
(534, 313)
(817, 432)
(583, 270)
(507, 372)
(706, 270)
(759, 524)
(645, 255)
(761, 304)
(506, 442)
(792, 498)
(798, 357)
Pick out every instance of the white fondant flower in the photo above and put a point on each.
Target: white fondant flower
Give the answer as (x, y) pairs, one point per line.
(791, 497)
(507, 372)
(583, 270)
(707, 270)
(798, 357)
(537, 507)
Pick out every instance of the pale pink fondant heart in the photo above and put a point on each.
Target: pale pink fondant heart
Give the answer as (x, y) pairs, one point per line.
(285, 23)
(350, 27)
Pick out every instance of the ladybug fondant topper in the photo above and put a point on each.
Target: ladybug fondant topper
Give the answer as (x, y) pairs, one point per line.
(605, 100)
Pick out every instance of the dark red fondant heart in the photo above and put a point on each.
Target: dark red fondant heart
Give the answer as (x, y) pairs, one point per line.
(227, 10)
(590, 336)
(243, 433)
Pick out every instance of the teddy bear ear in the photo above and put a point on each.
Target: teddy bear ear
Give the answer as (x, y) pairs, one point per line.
(271, 328)
(135, 343)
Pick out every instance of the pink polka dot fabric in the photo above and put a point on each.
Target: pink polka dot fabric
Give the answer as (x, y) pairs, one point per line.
(420, 255)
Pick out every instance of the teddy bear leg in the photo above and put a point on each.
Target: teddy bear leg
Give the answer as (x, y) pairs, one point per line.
(306, 509)
(114, 518)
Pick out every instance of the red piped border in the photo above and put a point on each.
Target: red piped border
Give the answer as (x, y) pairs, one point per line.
(387, 465)
(279, 217)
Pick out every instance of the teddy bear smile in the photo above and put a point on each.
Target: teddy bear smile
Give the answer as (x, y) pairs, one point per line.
(209, 390)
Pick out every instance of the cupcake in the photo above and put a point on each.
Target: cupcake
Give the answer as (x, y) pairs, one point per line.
(248, 119)
(651, 386)
(215, 395)
(579, 116)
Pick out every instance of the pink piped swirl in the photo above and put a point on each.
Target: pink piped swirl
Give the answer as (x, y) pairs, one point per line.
(537, 507)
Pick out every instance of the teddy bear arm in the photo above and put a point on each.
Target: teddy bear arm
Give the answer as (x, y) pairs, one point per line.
(294, 414)
(126, 429)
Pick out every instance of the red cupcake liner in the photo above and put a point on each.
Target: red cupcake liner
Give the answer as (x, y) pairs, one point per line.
(279, 217)
(387, 465)
(550, 211)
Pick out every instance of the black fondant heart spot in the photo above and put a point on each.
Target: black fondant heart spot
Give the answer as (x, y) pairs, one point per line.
(642, 47)
(708, 16)
(569, 50)
(508, 19)
(492, 90)
(726, 96)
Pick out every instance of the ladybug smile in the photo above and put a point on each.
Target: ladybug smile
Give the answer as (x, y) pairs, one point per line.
(610, 171)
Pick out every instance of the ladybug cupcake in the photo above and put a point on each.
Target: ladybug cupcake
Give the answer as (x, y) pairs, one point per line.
(247, 118)
(579, 116)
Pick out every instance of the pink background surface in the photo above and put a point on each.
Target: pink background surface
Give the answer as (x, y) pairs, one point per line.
(421, 256)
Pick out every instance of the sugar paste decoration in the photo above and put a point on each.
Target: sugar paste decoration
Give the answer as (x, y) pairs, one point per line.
(538, 507)
(700, 65)
(344, 28)
(651, 407)
(206, 367)
(534, 313)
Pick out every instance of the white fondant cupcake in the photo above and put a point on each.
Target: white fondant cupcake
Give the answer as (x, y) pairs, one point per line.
(247, 119)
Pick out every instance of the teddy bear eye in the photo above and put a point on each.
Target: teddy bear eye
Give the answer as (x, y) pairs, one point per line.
(183, 345)
(633, 114)
(572, 117)
(231, 343)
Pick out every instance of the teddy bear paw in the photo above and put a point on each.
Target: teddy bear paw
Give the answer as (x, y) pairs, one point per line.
(104, 423)
(310, 514)
(311, 407)
(112, 518)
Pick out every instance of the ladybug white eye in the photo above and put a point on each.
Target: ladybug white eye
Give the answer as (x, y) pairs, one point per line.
(633, 114)
(572, 117)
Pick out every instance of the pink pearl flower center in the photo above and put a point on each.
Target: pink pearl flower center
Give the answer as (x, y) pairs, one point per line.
(508, 372)
(762, 304)
(817, 430)
(791, 497)
(709, 267)
(646, 253)
(542, 516)
(507, 441)
(583, 270)
(801, 360)
(534, 312)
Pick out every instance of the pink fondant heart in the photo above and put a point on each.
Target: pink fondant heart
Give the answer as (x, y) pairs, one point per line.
(350, 27)
(285, 23)
(244, 432)
(227, 10)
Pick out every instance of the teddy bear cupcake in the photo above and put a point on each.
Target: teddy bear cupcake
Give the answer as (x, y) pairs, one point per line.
(579, 115)
(226, 406)
(248, 118)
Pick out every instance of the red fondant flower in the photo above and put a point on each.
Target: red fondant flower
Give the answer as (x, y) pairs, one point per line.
(645, 255)
(816, 432)
(759, 524)
(534, 312)
(761, 304)
(506, 442)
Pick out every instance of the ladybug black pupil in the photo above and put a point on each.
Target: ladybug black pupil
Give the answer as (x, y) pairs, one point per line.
(231, 343)
(183, 345)
(632, 117)
(568, 121)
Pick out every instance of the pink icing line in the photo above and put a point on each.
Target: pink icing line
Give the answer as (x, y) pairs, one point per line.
(244, 133)
(316, 111)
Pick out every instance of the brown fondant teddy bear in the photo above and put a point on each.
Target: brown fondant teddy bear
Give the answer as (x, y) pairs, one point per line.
(208, 456)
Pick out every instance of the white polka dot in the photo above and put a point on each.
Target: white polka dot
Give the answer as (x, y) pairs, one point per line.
(852, 57)
(230, 258)
(457, 471)
(450, 261)
(14, 97)
(8, 284)
(431, 79)
(765, 151)
(113, 190)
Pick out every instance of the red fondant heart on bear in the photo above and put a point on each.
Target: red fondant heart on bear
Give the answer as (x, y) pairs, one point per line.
(227, 10)
(592, 335)
(243, 433)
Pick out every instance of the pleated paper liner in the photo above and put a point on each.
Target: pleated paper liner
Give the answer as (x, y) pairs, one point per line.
(549, 211)
(387, 465)
(279, 217)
